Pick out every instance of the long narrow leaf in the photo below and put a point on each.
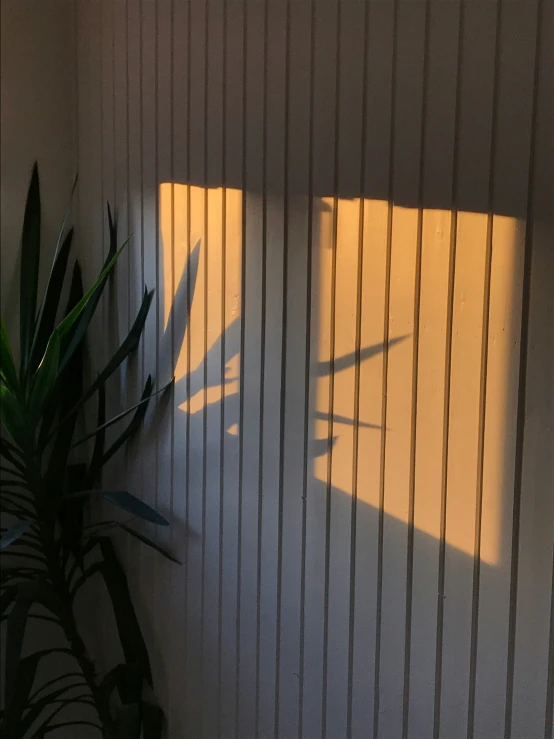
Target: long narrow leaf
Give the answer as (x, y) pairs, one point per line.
(7, 366)
(179, 315)
(6, 445)
(128, 345)
(4, 483)
(13, 417)
(38, 707)
(85, 577)
(144, 400)
(133, 427)
(30, 256)
(112, 227)
(36, 591)
(65, 217)
(152, 721)
(17, 622)
(149, 543)
(20, 694)
(13, 534)
(18, 467)
(7, 598)
(130, 635)
(128, 502)
(85, 309)
(98, 450)
(71, 514)
(129, 682)
(45, 378)
(69, 388)
(49, 308)
(88, 301)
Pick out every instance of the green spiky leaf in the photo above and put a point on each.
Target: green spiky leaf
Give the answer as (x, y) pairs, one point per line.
(49, 308)
(45, 378)
(30, 258)
(7, 366)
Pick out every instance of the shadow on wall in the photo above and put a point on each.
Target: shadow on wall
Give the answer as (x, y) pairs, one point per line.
(361, 475)
(424, 162)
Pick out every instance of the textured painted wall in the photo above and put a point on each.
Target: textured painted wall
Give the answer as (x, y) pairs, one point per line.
(357, 458)
(37, 123)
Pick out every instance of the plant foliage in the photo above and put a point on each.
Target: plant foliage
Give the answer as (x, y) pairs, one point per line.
(47, 553)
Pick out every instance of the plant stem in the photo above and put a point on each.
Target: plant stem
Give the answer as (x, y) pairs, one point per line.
(76, 643)
(55, 568)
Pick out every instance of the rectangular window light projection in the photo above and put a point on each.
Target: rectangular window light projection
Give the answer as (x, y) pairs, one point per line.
(191, 218)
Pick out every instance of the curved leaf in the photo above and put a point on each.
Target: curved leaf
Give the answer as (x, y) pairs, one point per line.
(13, 417)
(130, 635)
(140, 509)
(38, 707)
(45, 378)
(71, 514)
(126, 501)
(140, 409)
(129, 345)
(11, 453)
(7, 598)
(49, 308)
(98, 450)
(36, 591)
(85, 308)
(149, 543)
(17, 704)
(127, 679)
(13, 534)
(7, 366)
(134, 425)
(30, 256)
(69, 387)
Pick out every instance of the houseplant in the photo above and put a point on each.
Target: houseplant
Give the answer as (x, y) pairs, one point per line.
(49, 547)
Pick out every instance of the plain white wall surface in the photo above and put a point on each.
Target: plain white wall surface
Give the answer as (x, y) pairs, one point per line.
(37, 122)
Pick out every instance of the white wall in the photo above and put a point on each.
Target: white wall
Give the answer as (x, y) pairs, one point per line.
(360, 556)
(37, 123)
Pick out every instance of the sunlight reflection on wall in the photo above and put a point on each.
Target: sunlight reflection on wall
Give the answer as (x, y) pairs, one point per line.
(181, 232)
(184, 225)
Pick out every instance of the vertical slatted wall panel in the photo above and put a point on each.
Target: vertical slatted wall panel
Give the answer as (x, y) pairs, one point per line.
(532, 594)
(335, 202)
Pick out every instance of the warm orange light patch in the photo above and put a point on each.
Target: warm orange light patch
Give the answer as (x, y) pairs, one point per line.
(191, 216)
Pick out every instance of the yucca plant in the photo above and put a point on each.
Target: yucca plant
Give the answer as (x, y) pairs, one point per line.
(50, 547)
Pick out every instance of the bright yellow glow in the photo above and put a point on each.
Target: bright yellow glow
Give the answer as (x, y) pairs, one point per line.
(184, 227)
(175, 225)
